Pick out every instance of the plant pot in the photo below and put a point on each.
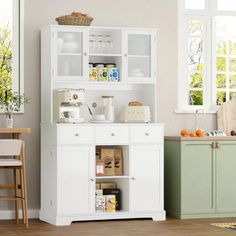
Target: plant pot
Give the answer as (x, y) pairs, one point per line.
(9, 121)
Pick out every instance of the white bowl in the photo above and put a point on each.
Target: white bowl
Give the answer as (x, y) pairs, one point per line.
(98, 117)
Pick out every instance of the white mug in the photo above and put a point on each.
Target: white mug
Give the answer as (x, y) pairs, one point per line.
(73, 114)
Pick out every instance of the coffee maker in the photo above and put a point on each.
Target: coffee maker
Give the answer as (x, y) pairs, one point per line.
(67, 105)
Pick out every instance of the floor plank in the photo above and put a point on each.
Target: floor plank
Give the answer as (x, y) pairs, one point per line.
(146, 227)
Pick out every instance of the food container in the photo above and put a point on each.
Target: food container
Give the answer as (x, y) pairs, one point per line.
(113, 74)
(103, 74)
(108, 185)
(110, 65)
(98, 65)
(93, 73)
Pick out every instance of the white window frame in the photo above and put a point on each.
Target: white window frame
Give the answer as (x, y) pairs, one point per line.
(207, 15)
(18, 48)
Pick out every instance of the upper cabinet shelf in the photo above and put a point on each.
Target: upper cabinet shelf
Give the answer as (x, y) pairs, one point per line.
(95, 54)
(104, 55)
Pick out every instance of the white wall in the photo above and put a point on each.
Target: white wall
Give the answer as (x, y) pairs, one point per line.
(161, 14)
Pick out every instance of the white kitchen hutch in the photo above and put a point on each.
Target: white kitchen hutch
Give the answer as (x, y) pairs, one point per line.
(68, 150)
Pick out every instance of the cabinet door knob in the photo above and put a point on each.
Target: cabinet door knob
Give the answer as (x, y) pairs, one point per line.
(112, 134)
(76, 134)
(147, 134)
(132, 178)
(217, 145)
(125, 55)
(213, 145)
(85, 54)
(92, 180)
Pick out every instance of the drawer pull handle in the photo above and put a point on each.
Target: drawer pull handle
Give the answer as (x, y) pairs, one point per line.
(76, 134)
(112, 134)
(147, 134)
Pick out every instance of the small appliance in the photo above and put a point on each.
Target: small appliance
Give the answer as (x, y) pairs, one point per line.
(68, 103)
(136, 114)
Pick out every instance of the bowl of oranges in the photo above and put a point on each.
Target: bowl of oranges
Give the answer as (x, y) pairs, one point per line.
(196, 133)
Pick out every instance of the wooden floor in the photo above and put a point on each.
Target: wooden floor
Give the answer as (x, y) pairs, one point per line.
(170, 227)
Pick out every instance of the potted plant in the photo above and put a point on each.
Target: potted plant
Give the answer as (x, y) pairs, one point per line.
(11, 103)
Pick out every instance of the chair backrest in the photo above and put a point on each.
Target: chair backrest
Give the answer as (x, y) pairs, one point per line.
(11, 147)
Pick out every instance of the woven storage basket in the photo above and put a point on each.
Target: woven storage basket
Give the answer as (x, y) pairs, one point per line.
(74, 20)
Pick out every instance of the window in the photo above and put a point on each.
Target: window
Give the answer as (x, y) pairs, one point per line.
(226, 5)
(197, 5)
(11, 46)
(207, 53)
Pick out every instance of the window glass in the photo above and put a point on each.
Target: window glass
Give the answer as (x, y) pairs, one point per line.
(195, 62)
(6, 45)
(195, 4)
(225, 59)
(226, 5)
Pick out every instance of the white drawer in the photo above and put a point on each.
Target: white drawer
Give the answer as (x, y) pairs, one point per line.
(112, 135)
(147, 134)
(75, 134)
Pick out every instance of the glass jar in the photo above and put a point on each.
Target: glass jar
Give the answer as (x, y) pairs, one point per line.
(108, 107)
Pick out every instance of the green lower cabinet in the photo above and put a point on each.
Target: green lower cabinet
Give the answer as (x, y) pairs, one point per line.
(197, 178)
(200, 179)
(226, 177)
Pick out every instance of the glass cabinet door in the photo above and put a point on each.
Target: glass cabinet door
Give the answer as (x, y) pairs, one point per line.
(139, 54)
(71, 54)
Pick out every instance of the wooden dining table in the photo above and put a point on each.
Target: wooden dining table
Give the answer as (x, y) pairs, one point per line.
(15, 132)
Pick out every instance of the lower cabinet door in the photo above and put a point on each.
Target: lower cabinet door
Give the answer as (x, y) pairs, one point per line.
(146, 182)
(74, 174)
(197, 177)
(226, 177)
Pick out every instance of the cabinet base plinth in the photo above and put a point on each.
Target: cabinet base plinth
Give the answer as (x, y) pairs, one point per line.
(200, 215)
(62, 220)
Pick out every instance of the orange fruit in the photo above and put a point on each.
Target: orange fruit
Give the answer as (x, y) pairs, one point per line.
(184, 132)
(192, 134)
(199, 133)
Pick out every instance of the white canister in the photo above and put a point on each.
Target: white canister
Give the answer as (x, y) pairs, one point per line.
(109, 109)
(109, 113)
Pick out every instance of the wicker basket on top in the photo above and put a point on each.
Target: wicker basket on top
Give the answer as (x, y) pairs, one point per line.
(76, 18)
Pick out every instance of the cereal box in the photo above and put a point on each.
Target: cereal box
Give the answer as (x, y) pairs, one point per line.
(100, 203)
(110, 203)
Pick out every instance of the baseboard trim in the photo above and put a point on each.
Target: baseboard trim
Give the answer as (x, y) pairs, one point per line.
(10, 214)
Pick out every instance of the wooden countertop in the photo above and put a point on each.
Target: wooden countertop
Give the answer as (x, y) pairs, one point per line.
(14, 130)
(207, 138)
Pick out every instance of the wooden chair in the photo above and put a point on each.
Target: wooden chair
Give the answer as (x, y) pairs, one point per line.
(12, 156)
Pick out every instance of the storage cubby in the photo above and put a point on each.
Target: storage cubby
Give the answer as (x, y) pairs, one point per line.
(123, 185)
(118, 160)
(120, 180)
(105, 41)
(106, 59)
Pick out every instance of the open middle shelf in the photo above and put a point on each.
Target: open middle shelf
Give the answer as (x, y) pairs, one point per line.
(112, 178)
